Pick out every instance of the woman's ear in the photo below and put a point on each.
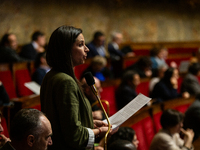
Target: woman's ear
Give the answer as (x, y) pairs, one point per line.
(30, 140)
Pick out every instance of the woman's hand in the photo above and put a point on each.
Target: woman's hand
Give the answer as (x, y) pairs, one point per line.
(3, 139)
(99, 123)
(188, 137)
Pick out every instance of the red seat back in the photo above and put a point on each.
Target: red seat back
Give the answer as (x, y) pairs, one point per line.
(21, 77)
(182, 108)
(4, 125)
(143, 88)
(156, 120)
(78, 70)
(108, 94)
(142, 52)
(7, 81)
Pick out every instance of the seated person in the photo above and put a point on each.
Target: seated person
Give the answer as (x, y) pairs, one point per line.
(113, 47)
(8, 47)
(30, 129)
(41, 68)
(116, 54)
(156, 78)
(168, 137)
(31, 50)
(3, 138)
(158, 55)
(97, 113)
(98, 68)
(122, 145)
(192, 117)
(190, 82)
(124, 133)
(127, 89)
(166, 88)
(96, 47)
(142, 67)
(4, 98)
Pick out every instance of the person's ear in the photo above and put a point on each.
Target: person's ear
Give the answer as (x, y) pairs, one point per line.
(30, 140)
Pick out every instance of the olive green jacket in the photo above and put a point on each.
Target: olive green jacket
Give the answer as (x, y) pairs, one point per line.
(68, 111)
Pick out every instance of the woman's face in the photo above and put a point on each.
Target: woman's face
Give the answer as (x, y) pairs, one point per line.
(136, 80)
(175, 74)
(79, 51)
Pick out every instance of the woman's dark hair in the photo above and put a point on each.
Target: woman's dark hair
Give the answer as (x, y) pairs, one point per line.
(167, 76)
(59, 49)
(170, 118)
(194, 68)
(156, 50)
(4, 39)
(124, 133)
(128, 76)
(38, 59)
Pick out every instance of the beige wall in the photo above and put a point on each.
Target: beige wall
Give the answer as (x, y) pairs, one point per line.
(139, 22)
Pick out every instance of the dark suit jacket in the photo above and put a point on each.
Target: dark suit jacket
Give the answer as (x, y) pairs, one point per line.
(93, 51)
(163, 93)
(124, 95)
(38, 75)
(28, 52)
(68, 111)
(190, 84)
(8, 55)
(4, 98)
(115, 54)
(192, 118)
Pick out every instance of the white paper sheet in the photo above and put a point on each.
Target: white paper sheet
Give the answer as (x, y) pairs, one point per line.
(127, 111)
(33, 86)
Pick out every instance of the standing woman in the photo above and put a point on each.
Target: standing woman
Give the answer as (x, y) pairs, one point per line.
(62, 99)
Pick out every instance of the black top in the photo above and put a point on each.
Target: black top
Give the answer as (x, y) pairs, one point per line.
(124, 95)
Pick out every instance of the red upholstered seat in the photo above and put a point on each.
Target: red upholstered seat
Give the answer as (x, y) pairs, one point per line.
(78, 70)
(7, 81)
(156, 120)
(143, 88)
(142, 52)
(182, 108)
(21, 77)
(182, 50)
(4, 125)
(108, 94)
(38, 107)
(145, 132)
(140, 136)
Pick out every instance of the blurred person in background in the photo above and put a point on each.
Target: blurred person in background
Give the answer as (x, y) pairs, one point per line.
(8, 47)
(41, 68)
(168, 137)
(190, 82)
(122, 145)
(166, 88)
(142, 67)
(37, 45)
(96, 46)
(124, 133)
(127, 89)
(98, 68)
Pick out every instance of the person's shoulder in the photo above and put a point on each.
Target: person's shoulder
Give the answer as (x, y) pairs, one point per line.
(28, 46)
(59, 76)
(162, 136)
